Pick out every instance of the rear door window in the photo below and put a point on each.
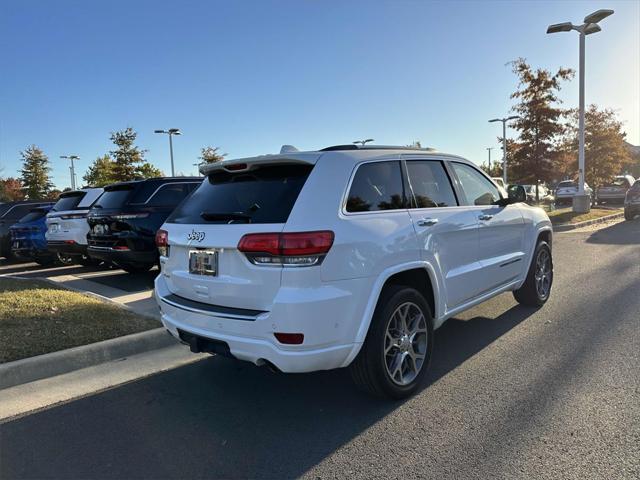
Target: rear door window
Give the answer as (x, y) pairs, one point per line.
(115, 198)
(264, 195)
(430, 184)
(377, 186)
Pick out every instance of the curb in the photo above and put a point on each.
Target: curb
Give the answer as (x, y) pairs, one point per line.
(572, 226)
(64, 361)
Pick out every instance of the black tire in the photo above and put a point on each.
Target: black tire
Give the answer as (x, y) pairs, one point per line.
(87, 261)
(136, 268)
(369, 369)
(46, 261)
(529, 294)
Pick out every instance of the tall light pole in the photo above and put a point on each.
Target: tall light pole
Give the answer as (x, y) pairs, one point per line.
(581, 202)
(171, 132)
(489, 150)
(504, 144)
(72, 169)
(363, 142)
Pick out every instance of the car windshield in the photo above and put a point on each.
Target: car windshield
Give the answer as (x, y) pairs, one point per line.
(68, 201)
(114, 198)
(617, 182)
(263, 195)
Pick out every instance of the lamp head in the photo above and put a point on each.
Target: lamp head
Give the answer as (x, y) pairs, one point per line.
(560, 27)
(598, 15)
(592, 28)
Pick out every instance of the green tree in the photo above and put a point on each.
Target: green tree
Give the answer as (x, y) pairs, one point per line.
(605, 150)
(100, 172)
(211, 155)
(146, 170)
(11, 190)
(127, 157)
(35, 173)
(540, 124)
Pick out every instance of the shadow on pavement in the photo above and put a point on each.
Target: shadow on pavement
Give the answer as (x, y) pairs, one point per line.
(623, 233)
(129, 282)
(218, 418)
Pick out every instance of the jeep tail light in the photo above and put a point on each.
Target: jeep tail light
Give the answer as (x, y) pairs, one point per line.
(289, 249)
(162, 242)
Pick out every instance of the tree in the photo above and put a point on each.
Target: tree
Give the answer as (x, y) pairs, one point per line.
(605, 150)
(539, 126)
(54, 194)
(11, 190)
(146, 170)
(211, 155)
(126, 157)
(35, 173)
(100, 172)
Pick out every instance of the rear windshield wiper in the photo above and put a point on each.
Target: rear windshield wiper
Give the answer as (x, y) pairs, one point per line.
(233, 216)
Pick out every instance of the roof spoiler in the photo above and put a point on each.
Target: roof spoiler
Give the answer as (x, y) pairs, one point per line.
(246, 164)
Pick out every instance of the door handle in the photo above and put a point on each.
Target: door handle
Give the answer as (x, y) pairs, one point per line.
(485, 217)
(427, 222)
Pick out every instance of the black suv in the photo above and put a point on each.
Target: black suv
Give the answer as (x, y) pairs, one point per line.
(10, 213)
(124, 220)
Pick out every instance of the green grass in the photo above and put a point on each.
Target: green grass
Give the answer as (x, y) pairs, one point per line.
(566, 215)
(37, 317)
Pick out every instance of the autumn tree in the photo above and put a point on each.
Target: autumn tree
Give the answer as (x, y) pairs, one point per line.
(11, 190)
(100, 172)
(35, 173)
(539, 124)
(127, 157)
(211, 155)
(605, 151)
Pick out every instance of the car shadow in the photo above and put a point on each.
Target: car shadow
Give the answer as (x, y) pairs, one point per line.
(220, 418)
(622, 233)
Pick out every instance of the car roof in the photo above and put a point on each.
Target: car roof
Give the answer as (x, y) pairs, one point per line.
(354, 153)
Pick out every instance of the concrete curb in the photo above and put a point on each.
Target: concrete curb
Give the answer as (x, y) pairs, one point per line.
(572, 226)
(64, 361)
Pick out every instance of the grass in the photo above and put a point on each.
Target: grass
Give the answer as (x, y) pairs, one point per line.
(37, 317)
(566, 215)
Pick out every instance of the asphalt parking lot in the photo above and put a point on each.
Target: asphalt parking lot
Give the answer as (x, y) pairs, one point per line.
(512, 393)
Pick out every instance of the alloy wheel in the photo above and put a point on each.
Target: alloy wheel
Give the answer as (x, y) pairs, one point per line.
(405, 343)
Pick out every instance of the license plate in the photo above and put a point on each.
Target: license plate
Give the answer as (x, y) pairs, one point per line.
(203, 262)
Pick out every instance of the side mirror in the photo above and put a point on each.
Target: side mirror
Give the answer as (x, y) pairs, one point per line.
(517, 194)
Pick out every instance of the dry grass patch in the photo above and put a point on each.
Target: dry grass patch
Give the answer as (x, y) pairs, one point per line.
(566, 215)
(37, 317)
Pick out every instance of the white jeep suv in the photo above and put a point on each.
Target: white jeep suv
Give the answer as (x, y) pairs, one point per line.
(346, 256)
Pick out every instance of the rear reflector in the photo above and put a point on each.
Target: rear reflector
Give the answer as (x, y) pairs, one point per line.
(121, 247)
(289, 338)
(299, 248)
(70, 242)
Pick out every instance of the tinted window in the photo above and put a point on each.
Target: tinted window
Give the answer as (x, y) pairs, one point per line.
(476, 187)
(113, 198)
(33, 215)
(169, 194)
(68, 201)
(18, 211)
(430, 184)
(263, 195)
(376, 186)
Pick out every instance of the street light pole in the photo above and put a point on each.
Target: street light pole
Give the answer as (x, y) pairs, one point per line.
(171, 132)
(581, 202)
(72, 169)
(504, 143)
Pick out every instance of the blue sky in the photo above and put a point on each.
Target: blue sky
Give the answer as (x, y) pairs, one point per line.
(249, 76)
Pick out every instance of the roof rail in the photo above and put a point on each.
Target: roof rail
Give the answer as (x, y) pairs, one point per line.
(339, 147)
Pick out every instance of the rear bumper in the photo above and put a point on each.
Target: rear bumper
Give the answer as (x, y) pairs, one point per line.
(66, 248)
(329, 321)
(130, 257)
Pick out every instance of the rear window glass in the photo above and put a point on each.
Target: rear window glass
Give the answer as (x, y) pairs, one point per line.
(566, 184)
(376, 186)
(68, 202)
(113, 198)
(33, 215)
(18, 211)
(264, 195)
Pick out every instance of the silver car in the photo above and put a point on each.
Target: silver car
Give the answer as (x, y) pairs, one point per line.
(615, 190)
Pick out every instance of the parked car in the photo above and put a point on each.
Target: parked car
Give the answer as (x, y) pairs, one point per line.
(567, 189)
(27, 237)
(632, 201)
(67, 225)
(10, 213)
(616, 190)
(544, 195)
(124, 220)
(347, 256)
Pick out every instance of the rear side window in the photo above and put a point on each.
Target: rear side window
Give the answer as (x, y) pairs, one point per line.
(169, 194)
(476, 187)
(114, 198)
(376, 186)
(430, 185)
(68, 201)
(18, 211)
(33, 215)
(264, 195)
